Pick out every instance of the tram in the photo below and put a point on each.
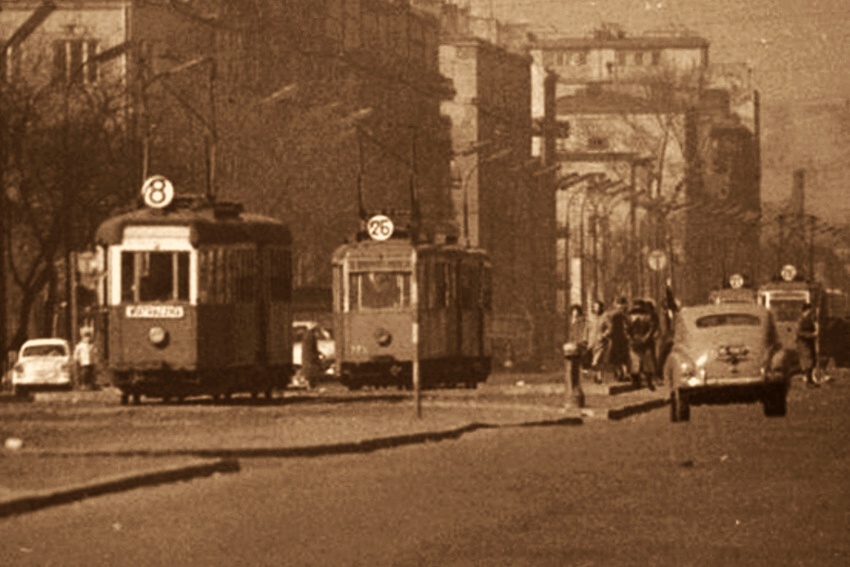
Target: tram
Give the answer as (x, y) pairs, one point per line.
(785, 297)
(196, 298)
(397, 301)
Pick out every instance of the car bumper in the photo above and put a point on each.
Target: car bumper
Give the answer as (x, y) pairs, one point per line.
(42, 386)
(737, 391)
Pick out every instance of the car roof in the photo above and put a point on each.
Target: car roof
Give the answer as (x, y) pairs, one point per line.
(53, 341)
(692, 313)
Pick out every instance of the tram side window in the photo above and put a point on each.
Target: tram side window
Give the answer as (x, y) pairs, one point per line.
(467, 287)
(280, 275)
(154, 276)
(379, 290)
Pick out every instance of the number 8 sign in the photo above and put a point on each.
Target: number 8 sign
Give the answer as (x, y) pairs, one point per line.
(380, 227)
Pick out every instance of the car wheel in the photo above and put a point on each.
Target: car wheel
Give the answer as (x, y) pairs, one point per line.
(775, 404)
(20, 392)
(680, 409)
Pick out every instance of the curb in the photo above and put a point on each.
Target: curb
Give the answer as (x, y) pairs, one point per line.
(6, 398)
(36, 500)
(616, 414)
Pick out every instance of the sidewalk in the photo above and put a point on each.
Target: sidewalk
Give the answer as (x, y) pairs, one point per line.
(304, 424)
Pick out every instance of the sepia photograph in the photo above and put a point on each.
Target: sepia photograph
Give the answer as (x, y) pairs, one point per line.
(424, 283)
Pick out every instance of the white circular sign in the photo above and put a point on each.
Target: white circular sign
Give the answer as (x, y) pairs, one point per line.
(788, 273)
(657, 260)
(157, 192)
(380, 227)
(736, 281)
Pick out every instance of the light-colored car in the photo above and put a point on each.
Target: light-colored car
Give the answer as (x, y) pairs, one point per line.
(727, 353)
(324, 342)
(43, 364)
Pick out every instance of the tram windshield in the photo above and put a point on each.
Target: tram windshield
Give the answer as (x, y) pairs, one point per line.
(787, 309)
(154, 276)
(379, 290)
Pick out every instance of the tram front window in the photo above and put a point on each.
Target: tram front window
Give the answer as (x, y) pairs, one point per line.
(154, 276)
(786, 309)
(379, 290)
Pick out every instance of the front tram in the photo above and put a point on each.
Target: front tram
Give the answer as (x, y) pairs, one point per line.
(196, 298)
(396, 300)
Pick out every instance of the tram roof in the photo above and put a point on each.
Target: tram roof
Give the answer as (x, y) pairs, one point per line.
(371, 247)
(205, 225)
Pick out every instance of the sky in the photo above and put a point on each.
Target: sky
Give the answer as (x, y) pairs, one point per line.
(798, 52)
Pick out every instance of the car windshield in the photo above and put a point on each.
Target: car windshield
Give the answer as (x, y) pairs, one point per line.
(728, 320)
(45, 350)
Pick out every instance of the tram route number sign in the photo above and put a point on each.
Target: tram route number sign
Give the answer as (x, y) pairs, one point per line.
(380, 227)
(154, 312)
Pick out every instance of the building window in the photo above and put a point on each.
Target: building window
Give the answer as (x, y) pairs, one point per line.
(639, 58)
(621, 58)
(656, 58)
(69, 60)
(581, 58)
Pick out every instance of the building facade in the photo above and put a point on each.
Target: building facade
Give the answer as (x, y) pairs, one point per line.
(640, 200)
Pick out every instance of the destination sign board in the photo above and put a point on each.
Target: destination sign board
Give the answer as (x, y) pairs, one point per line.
(154, 312)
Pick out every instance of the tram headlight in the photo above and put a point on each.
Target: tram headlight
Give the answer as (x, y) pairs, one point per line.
(158, 336)
(383, 337)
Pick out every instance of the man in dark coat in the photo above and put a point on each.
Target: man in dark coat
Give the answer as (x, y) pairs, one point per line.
(642, 332)
(616, 341)
(807, 332)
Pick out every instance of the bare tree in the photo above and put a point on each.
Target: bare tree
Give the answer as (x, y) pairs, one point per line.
(67, 170)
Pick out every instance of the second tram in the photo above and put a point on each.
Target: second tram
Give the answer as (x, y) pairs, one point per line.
(396, 301)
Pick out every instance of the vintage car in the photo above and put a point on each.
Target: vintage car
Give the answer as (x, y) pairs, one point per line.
(43, 364)
(726, 353)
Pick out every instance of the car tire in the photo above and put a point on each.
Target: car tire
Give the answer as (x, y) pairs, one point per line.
(775, 404)
(680, 409)
(19, 392)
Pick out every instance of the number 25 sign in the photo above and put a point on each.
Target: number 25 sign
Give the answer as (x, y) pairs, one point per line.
(380, 227)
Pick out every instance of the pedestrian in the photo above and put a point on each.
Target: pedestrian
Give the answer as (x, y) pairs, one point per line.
(595, 343)
(613, 332)
(669, 309)
(643, 332)
(84, 354)
(807, 333)
(310, 363)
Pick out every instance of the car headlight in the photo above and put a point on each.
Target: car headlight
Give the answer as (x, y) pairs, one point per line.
(693, 373)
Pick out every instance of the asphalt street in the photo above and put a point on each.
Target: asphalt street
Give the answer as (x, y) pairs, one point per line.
(729, 488)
